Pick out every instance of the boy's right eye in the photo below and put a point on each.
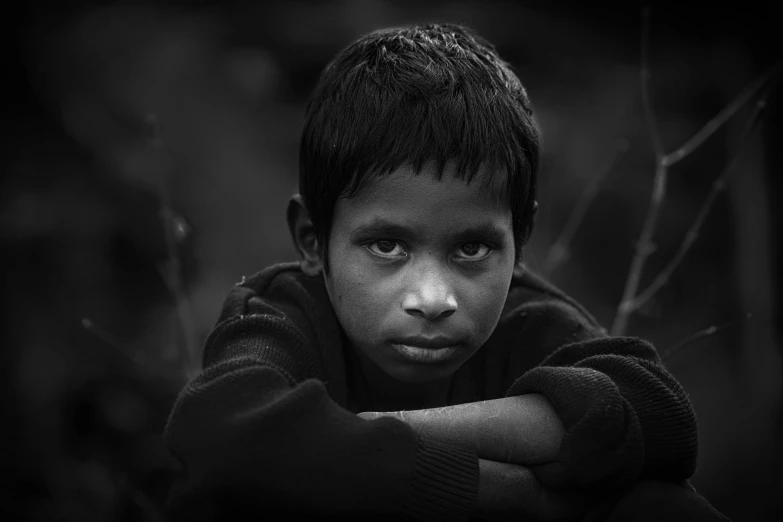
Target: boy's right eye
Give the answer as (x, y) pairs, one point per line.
(387, 248)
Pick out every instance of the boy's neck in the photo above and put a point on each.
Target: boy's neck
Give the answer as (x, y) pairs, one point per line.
(385, 393)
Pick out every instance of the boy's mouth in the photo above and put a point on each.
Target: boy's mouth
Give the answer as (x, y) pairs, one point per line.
(432, 343)
(426, 349)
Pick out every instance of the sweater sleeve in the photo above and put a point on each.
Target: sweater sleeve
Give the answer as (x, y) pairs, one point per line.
(625, 415)
(256, 432)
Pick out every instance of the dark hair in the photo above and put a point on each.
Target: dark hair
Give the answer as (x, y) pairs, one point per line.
(412, 95)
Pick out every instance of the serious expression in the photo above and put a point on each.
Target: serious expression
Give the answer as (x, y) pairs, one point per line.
(419, 270)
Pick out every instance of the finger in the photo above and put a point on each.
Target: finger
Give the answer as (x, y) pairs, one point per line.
(552, 475)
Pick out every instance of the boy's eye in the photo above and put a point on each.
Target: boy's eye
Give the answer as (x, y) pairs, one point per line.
(473, 250)
(387, 248)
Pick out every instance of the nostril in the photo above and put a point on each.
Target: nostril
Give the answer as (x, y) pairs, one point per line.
(431, 312)
(416, 312)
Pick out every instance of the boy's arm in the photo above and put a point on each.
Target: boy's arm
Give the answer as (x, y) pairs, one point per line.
(523, 429)
(595, 411)
(249, 442)
(512, 492)
(510, 435)
(623, 415)
(257, 431)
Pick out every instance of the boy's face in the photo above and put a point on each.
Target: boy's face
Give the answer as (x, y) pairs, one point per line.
(419, 271)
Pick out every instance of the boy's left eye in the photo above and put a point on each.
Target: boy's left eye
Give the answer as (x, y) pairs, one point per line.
(387, 248)
(473, 250)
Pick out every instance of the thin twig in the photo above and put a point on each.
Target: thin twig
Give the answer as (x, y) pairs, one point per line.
(698, 336)
(151, 511)
(148, 507)
(644, 247)
(723, 116)
(644, 77)
(693, 233)
(172, 270)
(136, 357)
(560, 250)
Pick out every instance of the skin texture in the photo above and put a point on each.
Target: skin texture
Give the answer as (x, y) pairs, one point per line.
(523, 430)
(411, 255)
(517, 440)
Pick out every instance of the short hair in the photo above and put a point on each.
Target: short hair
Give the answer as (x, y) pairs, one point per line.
(409, 96)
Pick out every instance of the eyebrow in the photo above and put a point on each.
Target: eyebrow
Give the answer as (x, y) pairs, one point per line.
(379, 227)
(382, 227)
(486, 231)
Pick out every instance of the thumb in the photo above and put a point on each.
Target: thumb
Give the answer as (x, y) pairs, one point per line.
(552, 475)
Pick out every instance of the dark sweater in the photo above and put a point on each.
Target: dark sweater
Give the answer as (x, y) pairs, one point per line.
(270, 421)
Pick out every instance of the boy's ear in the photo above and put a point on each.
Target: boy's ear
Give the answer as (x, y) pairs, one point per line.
(303, 234)
(520, 268)
(532, 222)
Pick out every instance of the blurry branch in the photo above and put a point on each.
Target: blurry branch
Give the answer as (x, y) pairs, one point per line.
(730, 110)
(700, 335)
(630, 301)
(693, 233)
(644, 247)
(174, 231)
(151, 511)
(649, 114)
(136, 357)
(560, 251)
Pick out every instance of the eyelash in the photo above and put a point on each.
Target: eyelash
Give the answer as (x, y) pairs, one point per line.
(389, 256)
(370, 244)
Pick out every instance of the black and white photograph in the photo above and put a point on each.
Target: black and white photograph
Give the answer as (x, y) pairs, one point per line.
(391, 260)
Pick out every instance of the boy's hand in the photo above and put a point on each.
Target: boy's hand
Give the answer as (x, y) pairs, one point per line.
(511, 492)
(554, 475)
(516, 481)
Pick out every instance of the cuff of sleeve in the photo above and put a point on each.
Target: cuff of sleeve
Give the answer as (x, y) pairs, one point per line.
(665, 416)
(603, 444)
(445, 482)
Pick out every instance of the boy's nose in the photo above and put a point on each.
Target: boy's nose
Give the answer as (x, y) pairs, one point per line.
(431, 295)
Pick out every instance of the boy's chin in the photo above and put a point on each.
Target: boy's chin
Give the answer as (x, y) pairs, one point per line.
(413, 373)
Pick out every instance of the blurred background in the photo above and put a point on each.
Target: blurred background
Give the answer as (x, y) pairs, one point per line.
(150, 150)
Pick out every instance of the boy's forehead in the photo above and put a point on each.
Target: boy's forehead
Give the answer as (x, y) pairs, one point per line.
(416, 202)
(487, 186)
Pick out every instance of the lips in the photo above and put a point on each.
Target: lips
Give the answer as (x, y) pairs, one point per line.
(433, 343)
(427, 350)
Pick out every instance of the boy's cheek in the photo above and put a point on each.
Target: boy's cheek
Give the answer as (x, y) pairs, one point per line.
(362, 283)
(357, 299)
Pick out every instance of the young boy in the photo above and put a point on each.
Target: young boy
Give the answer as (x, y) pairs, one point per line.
(481, 390)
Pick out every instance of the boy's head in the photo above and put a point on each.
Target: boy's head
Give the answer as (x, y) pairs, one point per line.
(418, 166)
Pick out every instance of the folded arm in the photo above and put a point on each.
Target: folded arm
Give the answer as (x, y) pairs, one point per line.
(512, 436)
(600, 412)
(248, 442)
(625, 416)
(524, 429)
